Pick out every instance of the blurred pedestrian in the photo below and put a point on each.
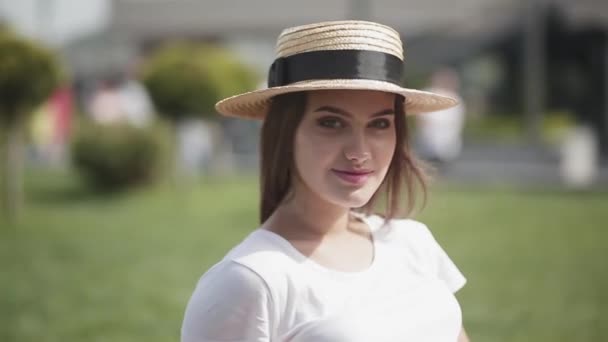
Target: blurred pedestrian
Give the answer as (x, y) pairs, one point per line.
(51, 127)
(121, 99)
(136, 103)
(439, 133)
(320, 266)
(106, 104)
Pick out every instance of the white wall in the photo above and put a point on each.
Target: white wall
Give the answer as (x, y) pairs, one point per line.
(56, 21)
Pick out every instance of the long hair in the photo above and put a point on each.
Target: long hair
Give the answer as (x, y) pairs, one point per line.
(277, 167)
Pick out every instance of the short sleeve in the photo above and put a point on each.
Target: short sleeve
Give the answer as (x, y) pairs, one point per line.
(424, 252)
(230, 303)
(444, 267)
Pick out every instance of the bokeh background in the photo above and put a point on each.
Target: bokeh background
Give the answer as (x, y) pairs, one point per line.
(121, 185)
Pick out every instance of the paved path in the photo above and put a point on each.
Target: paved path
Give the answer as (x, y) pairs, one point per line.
(511, 164)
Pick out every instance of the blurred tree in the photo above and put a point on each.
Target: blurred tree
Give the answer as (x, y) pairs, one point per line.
(118, 156)
(186, 80)
(28, 75)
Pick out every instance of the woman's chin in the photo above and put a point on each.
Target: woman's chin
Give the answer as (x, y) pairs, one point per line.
(355, 199)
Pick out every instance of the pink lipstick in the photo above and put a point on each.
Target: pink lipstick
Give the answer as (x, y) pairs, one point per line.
(353, 177)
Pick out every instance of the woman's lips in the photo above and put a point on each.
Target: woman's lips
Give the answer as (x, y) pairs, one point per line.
(353, 177)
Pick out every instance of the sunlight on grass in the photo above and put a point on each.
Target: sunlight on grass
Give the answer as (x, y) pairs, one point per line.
(121, 267)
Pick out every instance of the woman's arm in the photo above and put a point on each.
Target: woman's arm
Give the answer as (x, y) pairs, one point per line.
(230, 303)
(463, 336)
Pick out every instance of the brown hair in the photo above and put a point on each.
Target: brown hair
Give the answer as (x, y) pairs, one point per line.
(277, 161)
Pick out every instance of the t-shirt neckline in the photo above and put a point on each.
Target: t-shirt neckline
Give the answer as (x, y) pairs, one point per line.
(294, 252)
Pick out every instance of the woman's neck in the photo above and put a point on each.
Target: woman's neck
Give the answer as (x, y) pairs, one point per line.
(306, 215)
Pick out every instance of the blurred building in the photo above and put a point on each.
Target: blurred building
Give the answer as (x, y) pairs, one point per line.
(435, 31)
(251, 27)
(516, 57)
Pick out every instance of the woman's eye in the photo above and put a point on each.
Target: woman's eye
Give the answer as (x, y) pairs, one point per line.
(381, 123)
(330, 122)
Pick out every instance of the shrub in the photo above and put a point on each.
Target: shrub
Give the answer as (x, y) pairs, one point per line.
(188, 79)
(119, 156)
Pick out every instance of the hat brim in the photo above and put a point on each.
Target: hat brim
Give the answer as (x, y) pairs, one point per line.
(254, 104)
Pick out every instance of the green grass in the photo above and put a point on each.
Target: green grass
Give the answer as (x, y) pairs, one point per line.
(535, 262)
(122, 267)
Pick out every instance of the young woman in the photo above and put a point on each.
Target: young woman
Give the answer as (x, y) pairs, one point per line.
(320, 266)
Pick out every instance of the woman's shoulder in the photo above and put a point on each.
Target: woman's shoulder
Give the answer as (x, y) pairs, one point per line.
(406, 235)
(399, 229)
(256, 261)
(415, 241)
(261, 251)
(211, 313)
(232, 278)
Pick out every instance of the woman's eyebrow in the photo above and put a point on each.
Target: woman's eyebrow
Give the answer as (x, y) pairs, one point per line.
(343, 112)
(384, 112)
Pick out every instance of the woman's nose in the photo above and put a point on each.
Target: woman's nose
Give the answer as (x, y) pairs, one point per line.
(357, 150)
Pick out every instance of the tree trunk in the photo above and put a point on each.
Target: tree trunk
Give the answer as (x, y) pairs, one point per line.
(12, 168)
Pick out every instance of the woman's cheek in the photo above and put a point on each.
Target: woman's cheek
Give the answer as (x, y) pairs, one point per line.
(319, 156)
(311, 156)
(383, 146)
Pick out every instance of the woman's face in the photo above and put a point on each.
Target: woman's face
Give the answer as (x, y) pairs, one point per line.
(344, 145)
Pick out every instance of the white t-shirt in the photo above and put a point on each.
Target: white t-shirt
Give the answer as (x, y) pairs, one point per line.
(266, 290)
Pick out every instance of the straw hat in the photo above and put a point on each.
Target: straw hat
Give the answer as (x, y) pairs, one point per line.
(348, 54)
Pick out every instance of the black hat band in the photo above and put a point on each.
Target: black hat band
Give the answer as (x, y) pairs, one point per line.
(336, 64)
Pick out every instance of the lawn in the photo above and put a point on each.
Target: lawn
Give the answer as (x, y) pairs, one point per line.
(118, 268)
